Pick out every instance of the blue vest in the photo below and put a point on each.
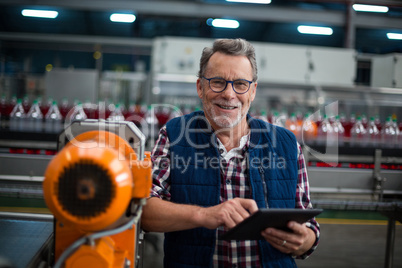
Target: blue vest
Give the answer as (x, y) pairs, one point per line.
(195, 179)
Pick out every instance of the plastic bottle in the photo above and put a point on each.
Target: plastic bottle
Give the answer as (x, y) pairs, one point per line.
(53, 119)
(64, 108)
(263, 115)
(277, 120)
(387, 134)
(34, 118)
(293, 126)
(116, 114)
(17, 117)
(377, 122)
(130, 113)
(400, 139)
(101, 110)
(76, 114)
(25, 104)
(45, 106)
(365, 121)
(338, 130)
(151, 126)
(325, 133)
(374, 138)
(309, 130)
(397, 132)
(4, 115)
(358, 134)
(162, 114)
(175, 113)
(348, 125)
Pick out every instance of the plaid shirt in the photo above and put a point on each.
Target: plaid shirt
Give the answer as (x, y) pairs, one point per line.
(234, 183)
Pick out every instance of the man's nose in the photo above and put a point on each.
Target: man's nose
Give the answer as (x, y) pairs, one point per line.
(229, 91)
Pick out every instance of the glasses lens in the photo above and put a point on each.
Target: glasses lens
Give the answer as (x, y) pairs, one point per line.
(217, 84)
(241, 85)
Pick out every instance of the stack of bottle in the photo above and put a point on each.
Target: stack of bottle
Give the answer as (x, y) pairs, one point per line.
(48, 116)
(51, 117)
(358, 131)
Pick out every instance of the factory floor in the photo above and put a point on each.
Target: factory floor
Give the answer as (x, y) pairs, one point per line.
(346, 244)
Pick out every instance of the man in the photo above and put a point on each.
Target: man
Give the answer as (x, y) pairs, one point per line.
(215, 168)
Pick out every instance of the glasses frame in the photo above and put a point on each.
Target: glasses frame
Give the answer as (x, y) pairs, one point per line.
(228, 82)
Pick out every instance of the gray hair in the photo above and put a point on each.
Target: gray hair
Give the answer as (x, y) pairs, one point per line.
(235, 47)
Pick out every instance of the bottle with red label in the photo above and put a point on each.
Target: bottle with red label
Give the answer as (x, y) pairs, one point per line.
(4, 114)
(374, 138)
(53, 119)
(309, 129)
(339, 131)
(26, 104)
(358, 134)
(116, 114)
(348, 125)
(76, 114)
(17, 117)
(325, 133)
(45, 105)
(34, 118)
(162, 113)
(388, 134)
(293, 126)
(64, 108)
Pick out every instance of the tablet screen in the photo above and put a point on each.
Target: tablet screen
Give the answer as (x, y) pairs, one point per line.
(250, 228)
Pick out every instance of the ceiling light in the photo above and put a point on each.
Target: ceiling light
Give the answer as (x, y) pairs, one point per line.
(395, 36)
(370, 8)
(314, 30)
(118, 17)
(251, 1)
(48, 14)
(224, 23)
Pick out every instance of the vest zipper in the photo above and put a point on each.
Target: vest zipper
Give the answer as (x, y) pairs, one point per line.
(264, 184)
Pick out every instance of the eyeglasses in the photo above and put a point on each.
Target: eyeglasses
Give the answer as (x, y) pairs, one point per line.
(217, 85)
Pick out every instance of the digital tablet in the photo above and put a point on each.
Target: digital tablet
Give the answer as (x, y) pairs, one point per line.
(250, 228)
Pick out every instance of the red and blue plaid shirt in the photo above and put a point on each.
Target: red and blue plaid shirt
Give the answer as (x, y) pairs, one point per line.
(234, 183)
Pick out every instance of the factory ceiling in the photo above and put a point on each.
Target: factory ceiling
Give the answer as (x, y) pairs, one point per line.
(86, 22)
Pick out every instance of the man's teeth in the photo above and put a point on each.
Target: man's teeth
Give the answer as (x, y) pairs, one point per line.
(227, 107)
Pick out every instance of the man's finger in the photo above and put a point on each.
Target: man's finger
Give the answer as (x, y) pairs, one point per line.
(249, 204)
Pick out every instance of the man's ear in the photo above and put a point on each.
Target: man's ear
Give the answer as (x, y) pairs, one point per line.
(253, 91)
(200, 92)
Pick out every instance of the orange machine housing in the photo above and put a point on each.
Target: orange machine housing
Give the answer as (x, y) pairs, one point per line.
(90, 186)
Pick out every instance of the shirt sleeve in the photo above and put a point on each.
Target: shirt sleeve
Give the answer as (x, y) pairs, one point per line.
(303, 200)
(160, 157)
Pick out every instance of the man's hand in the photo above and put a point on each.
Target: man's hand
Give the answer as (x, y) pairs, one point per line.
(228, 214)
(297, 242)
(163, 216)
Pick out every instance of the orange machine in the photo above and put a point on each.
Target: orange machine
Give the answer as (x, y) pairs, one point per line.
(96, 187)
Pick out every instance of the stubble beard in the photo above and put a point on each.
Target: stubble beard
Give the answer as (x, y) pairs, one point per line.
(223, 121)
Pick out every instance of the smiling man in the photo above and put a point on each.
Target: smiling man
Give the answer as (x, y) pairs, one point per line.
(208, 173)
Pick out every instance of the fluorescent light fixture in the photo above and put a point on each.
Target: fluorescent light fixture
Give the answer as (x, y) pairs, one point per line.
(118, 17)
(315, 30)
(370, 8)
(265, 2)
(395, 36)
(224, 23)
(48, 14)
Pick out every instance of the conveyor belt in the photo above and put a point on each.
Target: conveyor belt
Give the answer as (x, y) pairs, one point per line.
(23, 240)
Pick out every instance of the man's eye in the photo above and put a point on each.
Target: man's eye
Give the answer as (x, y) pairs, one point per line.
(218, 82)
(240, 83)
